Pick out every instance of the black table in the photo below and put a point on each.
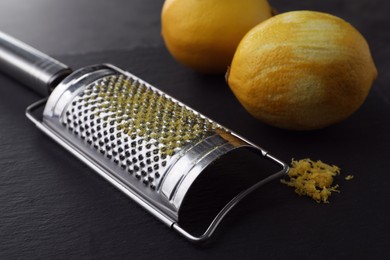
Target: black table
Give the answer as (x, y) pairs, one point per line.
(52, 206)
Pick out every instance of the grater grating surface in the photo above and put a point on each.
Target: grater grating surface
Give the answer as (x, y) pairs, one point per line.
(134, 126)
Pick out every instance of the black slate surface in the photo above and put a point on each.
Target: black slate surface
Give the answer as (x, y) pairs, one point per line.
(57, 27)
(52, 206)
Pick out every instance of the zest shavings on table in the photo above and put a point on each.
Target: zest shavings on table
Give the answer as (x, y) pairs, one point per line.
(313, 179)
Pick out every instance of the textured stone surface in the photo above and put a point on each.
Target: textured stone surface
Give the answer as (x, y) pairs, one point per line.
(54, 207)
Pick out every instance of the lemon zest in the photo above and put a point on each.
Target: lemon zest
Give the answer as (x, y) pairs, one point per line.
(349, 177)
(313, 179)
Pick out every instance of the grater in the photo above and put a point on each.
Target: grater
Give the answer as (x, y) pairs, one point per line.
(146, 143)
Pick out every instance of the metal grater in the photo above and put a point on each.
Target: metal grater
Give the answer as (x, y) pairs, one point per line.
(147, 144)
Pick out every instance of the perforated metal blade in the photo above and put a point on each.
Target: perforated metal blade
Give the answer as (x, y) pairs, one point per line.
(134, 126)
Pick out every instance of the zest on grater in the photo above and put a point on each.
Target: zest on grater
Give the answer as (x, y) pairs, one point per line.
(147, 144)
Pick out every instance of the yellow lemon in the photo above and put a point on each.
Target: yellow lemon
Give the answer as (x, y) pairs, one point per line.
(302, 70)
(204, 34)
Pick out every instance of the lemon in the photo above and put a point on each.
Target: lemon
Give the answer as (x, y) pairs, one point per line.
(302, 70)
(204, 34)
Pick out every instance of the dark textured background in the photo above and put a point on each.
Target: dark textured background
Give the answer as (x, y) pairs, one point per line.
(54, 207)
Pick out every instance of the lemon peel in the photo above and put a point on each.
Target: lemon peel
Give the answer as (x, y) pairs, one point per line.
(203, 34)
(302, 70)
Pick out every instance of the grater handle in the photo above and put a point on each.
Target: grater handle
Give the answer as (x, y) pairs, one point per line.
(29, 66)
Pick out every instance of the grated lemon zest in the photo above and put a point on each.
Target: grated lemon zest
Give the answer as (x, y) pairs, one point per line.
(313, 179)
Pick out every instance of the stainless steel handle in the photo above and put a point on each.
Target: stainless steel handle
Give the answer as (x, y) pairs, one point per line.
(29, 66)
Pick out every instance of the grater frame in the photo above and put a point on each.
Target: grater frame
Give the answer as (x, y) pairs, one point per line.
(165, 218)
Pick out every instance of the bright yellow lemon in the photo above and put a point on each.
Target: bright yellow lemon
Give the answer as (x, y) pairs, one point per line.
(302, 70)
(204, 34)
